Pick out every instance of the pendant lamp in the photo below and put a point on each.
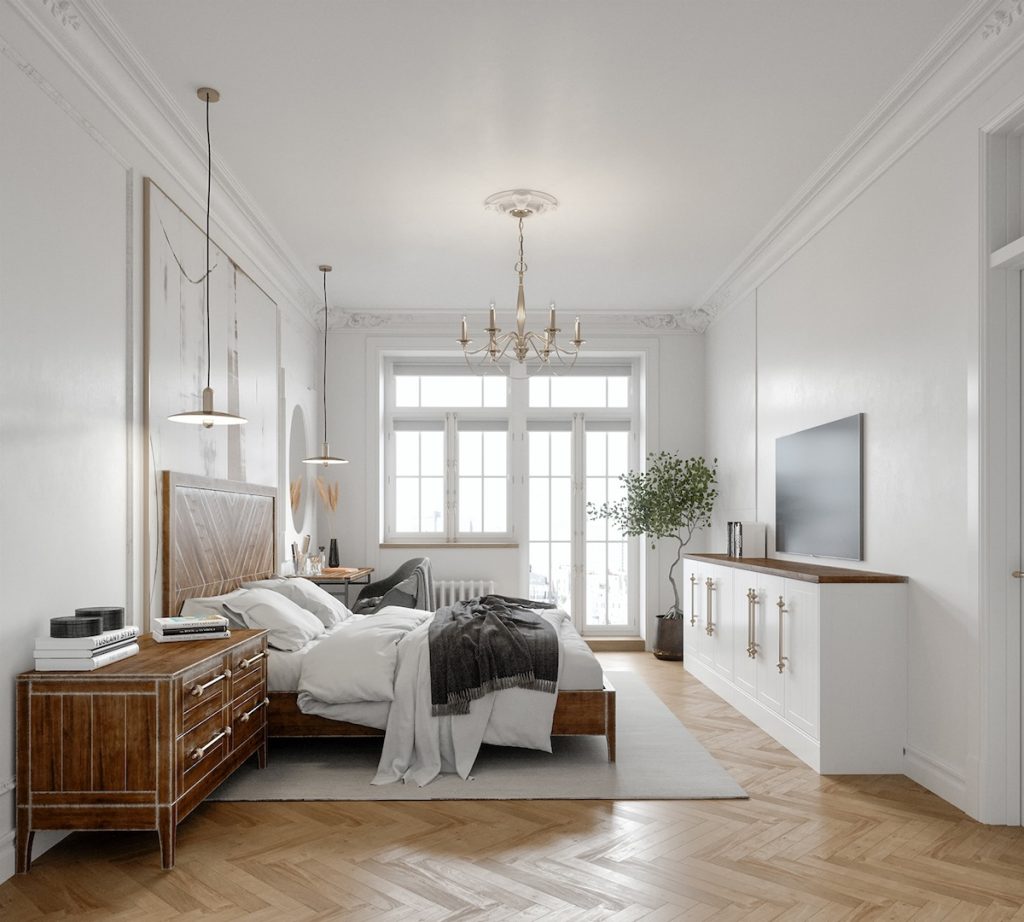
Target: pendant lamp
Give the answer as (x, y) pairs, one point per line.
(325, 458)
(207, 417)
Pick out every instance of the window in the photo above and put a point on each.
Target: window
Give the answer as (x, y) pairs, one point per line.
(490, 459)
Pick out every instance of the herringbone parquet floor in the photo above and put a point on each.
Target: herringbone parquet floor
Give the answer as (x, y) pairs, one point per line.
(802, 848)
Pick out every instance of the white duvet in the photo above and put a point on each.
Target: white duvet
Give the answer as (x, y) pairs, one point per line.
(385, 657)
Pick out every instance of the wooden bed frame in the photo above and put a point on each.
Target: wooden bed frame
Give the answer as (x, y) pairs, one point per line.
(216, 534)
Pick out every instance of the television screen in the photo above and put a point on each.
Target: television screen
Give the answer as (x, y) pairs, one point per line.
(818, 490)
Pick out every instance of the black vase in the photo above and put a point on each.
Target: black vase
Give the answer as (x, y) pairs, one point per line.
(332, 554)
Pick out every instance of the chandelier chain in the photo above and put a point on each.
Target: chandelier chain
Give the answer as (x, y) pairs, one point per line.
(520, 266)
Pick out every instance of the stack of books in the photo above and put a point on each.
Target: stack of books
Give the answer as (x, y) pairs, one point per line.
(83, 654)
(195, 627)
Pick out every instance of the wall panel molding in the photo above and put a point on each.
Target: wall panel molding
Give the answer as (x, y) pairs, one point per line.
(985, 35)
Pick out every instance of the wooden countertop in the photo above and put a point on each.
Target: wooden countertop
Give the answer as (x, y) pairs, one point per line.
(796, 569)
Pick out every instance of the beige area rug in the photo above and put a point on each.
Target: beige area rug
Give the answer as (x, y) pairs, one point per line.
(657, 759)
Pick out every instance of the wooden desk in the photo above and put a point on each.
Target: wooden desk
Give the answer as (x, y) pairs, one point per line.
(138, 744)
(360, 576)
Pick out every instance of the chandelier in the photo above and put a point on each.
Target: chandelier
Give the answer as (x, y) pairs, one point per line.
(527, 347)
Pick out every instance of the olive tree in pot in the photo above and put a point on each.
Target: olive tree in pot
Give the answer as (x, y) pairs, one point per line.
(672, 498)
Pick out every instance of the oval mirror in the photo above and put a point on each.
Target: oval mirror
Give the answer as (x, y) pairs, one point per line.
(297, 450)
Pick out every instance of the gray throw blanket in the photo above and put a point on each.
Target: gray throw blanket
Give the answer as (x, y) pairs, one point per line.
(487, 644)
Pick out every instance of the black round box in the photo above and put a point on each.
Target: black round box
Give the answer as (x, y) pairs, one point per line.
(111, 618)
(77, 626)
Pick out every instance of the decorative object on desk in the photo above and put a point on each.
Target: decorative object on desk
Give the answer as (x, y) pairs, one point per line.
(325, 457)
(84, 653)
(112, 618)
(530, 349)
(191, 627)
(332, 557)
(747, 539)
(672, 497)
(207, 417)
(74, 626)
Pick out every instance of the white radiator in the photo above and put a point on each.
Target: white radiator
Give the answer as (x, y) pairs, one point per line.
(449, 591)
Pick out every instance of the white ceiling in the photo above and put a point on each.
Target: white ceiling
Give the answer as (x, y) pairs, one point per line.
(672, 131)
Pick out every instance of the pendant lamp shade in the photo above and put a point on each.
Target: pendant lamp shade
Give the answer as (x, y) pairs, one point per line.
(325, 457)
(207, 417)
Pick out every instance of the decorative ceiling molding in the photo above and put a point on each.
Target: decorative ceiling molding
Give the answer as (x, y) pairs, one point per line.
(975, 44)
(90, 42)
(63, 12)
(1002, 19)
(442, 322)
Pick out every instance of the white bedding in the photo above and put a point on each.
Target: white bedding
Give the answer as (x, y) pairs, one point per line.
(580, 669)
(333, 671)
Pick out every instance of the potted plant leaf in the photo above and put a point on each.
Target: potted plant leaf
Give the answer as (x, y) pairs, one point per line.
(672, 498)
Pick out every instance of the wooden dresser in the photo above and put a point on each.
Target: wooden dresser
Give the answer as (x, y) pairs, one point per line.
(140, 743)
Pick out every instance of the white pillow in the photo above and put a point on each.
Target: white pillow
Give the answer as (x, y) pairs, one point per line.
(289, 627)
(307, 595)
(357, 661)
(213, 605)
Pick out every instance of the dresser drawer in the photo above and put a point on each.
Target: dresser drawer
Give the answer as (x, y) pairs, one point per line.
(248, 664)
(202, 748)
(203, 690)
(248, 716)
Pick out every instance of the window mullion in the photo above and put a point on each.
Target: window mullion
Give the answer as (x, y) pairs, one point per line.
(451, 468)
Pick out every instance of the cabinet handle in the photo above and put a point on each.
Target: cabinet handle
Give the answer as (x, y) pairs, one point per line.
(246, 663)
(197, 690)
(782, 611)
(693, 600)
(751, 624)
(245, 717)
(709, 627)
(196, 754)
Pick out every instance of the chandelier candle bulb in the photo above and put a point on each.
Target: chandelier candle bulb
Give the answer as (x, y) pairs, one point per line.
(493, 325)
(464, 336)
(576, 335)
(551, 317)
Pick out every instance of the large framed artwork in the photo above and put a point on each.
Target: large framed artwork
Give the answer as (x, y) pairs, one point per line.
(244, 362)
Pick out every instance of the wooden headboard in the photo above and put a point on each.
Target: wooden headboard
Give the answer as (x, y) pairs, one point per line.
(215, 534)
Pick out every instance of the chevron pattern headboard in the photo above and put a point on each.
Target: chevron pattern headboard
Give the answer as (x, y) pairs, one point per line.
(215, 535)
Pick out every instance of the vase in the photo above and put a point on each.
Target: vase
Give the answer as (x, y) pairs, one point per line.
(332, 555)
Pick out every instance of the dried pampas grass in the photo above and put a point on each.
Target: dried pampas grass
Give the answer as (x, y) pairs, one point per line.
(295, 489)
(328, 493)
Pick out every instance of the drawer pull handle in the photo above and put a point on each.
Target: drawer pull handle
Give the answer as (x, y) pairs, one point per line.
(197, 690)
(782, 611)
(693, 601)
(196, 754)
(246, 663)
(709, 627)
(751, 624)
(245, 717)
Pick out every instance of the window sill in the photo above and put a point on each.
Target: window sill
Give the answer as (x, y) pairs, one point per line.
(449, 544)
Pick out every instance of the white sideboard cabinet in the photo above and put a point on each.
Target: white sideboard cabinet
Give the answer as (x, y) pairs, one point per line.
(816, 656)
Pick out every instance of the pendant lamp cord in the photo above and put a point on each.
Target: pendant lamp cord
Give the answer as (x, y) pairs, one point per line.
(206, 278)
(325, 359)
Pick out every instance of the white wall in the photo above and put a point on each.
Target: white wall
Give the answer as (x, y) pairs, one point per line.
(71, 445)
(673, 417)
(878, 313)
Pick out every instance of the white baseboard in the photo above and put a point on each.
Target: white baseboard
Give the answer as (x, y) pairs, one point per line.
(938, 776)
(44, 840)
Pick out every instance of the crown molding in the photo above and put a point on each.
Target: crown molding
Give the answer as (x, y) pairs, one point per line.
(88, 40)
(982, 38)
(684, 321)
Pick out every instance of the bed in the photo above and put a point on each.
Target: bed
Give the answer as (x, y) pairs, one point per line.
(217, 534)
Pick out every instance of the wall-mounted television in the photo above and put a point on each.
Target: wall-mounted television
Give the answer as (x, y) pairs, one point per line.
(818, 490)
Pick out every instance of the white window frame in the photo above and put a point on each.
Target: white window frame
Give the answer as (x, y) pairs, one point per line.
(449, 420)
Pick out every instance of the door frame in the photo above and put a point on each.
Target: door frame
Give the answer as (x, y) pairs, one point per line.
(997, 398)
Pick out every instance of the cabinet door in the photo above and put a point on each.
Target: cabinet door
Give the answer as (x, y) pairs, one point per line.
(746, 599)
(800, 645)
(770, 591)
(692, 601)
(720, 615)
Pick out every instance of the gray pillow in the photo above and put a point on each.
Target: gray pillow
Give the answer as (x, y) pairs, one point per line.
(306, 595)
